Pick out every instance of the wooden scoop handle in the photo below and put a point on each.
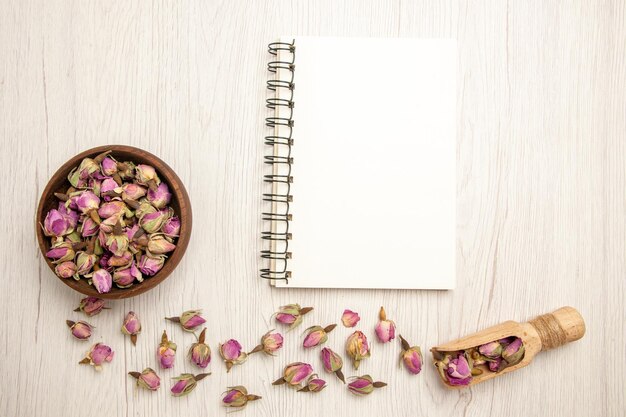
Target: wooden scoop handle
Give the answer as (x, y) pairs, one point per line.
(559, 327)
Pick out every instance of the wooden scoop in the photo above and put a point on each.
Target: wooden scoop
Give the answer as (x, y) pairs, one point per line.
(544, 332)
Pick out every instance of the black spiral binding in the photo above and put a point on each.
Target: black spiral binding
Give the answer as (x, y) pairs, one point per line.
(278, 237)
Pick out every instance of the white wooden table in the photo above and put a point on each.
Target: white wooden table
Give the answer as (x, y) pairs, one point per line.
(541, 199)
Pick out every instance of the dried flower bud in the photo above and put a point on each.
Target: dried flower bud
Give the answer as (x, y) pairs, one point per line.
(514, 352)
(189, 320)
(131, 326)
(332, 363)
(270, 343)
(56, 224)
(159, 245)
(159, 197)
(146, 175)
(126, 277)
(125, 260)
(350, 318)
(87, 202)
(80, 330)
(142, 209)
(364, 385)
(79, 175)
(317, 335)
(313, 384)
(70, 215)
(200, 352)
(114, 208)
(152, 222)
(238, 397)
(102, 280)
(132, 191)
(61, 252)
(66, 269)
(151, 265)
(291, 314)
(109, 166)
(495, 365)
(166, 352)
(232, 354)
(294, 374)
(186, 383)
(91, 306)
(85, 262)
(491, 350)
(357, 348)
(385, 329)
(455, 371)
(171, 227)
(97, 355)
(147, 379)
(126, 170)
(411, 356)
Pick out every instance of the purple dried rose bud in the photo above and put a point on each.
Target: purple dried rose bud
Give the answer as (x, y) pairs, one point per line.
(171, 227)
(146, 175)
(189, 320)
(117, 244)
(350, 318)
(61, 252)
(186, 383)
(114, 208)
(132, 191)
(270, 343)
(385, 329)
(152, 222)
(126, 277)
(411, 357)
(514, 352)
(491, 350)
(232, 353)
(313, 384)
(91, 306)
(88, 203)
(291, 314)
(85, 262)
(238, 397)
(80, 330)
(495, 365)
(166, 352)
(66, 269)
(102, 280)
(120, 261)
(317, 335)
(142, 209)
(458, 371)
(364, 385)
(79, 175)
(159, 245)
(357, 348)
(294, 374)
(200, 352)
(147, 379)
(333, 363)
(97, 355)
(71, 216)
(109, 166)
(160, 197)
(131, 326)
(56, 224)
(151, 265)
(89, 227)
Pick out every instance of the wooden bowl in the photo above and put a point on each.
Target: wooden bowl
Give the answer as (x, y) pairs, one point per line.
(180, 203)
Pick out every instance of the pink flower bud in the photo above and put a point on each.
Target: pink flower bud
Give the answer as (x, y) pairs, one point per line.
(125, 277)
(495, 365)
(117, 244)
(313, 384)
(147, 379)
(186, 383)
(456, 371)
(61, 252)
(149, 265)
(271, 342)
(291, 314)
(114, 208)
(109, 166)
(97, 355)
(87, 201)
(132, 191)
(514, 352)
(152, 222)
(79, 175)
(120, 261)
(80, 330)
(171, 227)
(71, 216)
(145, 174)
(491, 350)
(317, 335)
(85, 262)
(160, 197)
(238, 397)
(56, 224)
(385, 329)
(91, 306)
(357, 348)
(364, 385)
(102, 280)
(159, 245)
(332, 363)
(295, 373)
(89, 227)
(350, 318)
(131, 326)
(65, 269)
(232, 354)
(411, 357)
(200, 352)
(166, 352)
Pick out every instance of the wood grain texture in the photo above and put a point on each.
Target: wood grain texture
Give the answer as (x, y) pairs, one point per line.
(541, 201)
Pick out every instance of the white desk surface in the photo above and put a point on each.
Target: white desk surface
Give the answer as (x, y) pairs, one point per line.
(541, 199)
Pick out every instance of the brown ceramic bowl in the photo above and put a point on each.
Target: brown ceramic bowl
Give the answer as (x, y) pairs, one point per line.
(180, 203)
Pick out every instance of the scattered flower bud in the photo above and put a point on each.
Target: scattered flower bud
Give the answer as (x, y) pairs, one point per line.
(270, 343)
(313, 384)
(238, 397)
(357, 348)
(97, 355)
(147, 379)
(91, 306)
(65, 269)
(149, 265)
(102, 280)
(411, 357)
(146, 175)
(291, 314)
(364, 385)
(200, 352)
(294, 374)
(159, 245)
(186, 383)
(160, 197)
(171, 227)
(317, 335)
(166, 352)
(56, 224)
(80, 330)
(350, 318)
(232, 354)
(514, 352)
(385, 329)
(333, 363)
(152, 222)
(189, 320)
(131, 326)
(491, 350)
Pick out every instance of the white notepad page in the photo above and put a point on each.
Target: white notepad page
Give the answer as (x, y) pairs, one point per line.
(374, 178)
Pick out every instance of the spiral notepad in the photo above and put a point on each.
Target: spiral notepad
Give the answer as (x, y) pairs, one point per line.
(360, 163)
